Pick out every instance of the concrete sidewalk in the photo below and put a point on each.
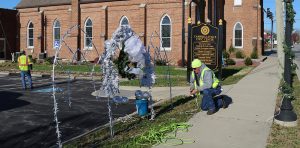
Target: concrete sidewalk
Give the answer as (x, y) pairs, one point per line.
(158, 93)
(246, 122)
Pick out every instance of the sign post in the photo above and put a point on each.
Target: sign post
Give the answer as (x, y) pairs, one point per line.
(220, 48)
(189, 56)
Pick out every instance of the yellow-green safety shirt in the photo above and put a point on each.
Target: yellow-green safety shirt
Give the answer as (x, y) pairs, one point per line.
(24, 62)
(215, 82)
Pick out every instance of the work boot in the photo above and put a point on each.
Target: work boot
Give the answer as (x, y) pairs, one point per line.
(211, 111)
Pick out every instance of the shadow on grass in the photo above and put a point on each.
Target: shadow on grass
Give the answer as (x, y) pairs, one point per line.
(226, 72)
(165, 108)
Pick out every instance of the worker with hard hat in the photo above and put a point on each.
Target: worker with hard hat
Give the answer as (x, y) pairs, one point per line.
(204, 80)
(25, 66)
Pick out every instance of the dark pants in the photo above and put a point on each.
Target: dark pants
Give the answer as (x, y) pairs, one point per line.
(28, 75)
(208, 103)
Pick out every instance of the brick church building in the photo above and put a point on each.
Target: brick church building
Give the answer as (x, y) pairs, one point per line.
(44, 22)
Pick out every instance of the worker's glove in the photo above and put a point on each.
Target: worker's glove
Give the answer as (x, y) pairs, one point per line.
(193, 95)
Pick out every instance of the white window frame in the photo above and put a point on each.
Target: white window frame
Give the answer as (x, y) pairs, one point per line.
(123, 18)
(54, 27)
(85, 35)
(160, 34)
(234, 35)
(28, 46)
(238, 2)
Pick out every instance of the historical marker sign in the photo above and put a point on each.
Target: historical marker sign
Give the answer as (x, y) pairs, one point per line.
(205, 44)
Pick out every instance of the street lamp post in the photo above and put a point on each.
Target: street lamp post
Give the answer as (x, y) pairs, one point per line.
(287, 116)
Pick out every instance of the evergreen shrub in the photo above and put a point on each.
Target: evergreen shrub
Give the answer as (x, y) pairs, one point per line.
(239, 54)
(248, 61)
(230, 61)
(226, 55)
(254, 54)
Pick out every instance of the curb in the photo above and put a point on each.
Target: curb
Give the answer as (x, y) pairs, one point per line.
(18, 74)
(49, 76)
(4, 74)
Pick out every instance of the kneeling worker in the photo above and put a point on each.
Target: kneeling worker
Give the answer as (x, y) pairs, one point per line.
(204, 80)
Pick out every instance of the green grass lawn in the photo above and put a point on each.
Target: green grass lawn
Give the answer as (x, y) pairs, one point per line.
(230, 75)
(71, 68)
(159, 70)
(177, 75)
(287, 137)
(163, 70)
(130, 134)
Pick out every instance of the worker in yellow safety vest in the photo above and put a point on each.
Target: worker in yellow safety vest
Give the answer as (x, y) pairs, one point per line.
(25, 66)
(203, 81)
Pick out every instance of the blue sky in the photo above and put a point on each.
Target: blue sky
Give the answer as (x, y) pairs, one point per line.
(271, 4)
(267, 4)
(10, 4)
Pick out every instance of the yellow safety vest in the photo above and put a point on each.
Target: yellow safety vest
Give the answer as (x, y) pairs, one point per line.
(24, 62)
(215, 80)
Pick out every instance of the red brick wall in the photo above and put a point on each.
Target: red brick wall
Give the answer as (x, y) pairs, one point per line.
(248, 14)
(135, 11)
(61, 14)
(26, 16)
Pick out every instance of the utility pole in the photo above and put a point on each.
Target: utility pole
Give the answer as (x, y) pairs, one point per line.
(280, 34)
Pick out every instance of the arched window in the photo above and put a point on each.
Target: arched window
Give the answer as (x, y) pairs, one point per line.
(88, 37)
(165, 32)
(237, 2)
(30, 37)
(238, 35)
(124, 21)
(56, 33)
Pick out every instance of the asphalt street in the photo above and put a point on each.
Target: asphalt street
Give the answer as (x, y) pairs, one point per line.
(27, 116)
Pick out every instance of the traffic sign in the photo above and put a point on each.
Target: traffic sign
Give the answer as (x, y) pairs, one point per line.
(56, 43)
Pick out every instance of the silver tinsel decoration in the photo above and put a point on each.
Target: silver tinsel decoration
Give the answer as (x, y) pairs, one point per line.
(110, 83)
(55, 107)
